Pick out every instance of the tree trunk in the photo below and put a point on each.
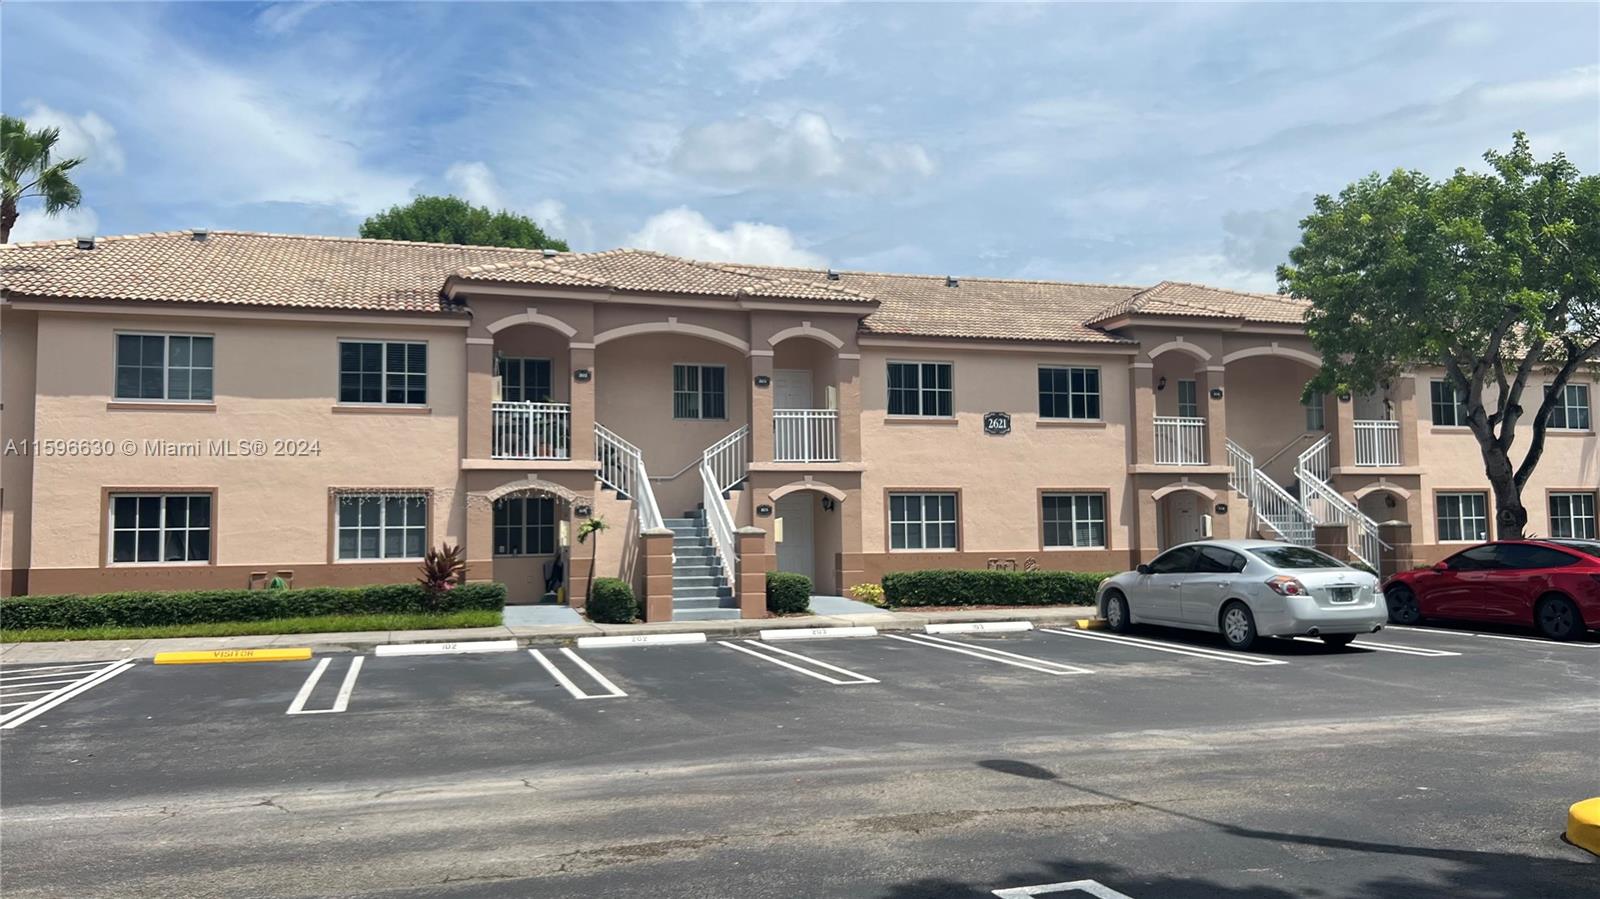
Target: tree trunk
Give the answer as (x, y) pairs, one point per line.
(8, 218)
(1510, 516)
(588, 587)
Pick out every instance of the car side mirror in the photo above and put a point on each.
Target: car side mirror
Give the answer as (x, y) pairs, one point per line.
(1143, 569)
(1441, 566)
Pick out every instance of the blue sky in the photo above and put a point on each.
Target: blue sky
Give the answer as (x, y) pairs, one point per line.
(1115, 143)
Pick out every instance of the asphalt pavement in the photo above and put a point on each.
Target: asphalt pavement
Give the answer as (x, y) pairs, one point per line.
(1418, 763)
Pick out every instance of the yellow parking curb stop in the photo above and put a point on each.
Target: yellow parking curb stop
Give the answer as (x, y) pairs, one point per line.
(1583, 824)
(1089, 624)
(200, 657)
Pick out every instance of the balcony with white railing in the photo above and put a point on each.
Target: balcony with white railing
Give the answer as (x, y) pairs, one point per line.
(805, 435)
(1377, 442)
(1180, 441)
(532, 431)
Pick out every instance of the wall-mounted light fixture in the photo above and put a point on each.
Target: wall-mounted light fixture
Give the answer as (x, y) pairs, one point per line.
(763, 381)
(1216, 393)
(1162, 384)
(581, 375)
(1388, 500)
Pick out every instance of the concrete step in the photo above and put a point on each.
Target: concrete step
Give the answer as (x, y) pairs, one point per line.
(710, 602)
(701, 592)
(680, 582)
(681, 570)
(704, 614)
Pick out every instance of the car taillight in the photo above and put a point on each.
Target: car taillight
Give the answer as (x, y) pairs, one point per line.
(1284, 585)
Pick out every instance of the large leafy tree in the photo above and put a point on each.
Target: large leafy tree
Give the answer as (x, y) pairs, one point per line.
(1495, 276)
(28, 171)
(454, 220)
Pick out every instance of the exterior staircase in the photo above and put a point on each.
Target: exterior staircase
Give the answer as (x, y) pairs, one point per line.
(700, 589)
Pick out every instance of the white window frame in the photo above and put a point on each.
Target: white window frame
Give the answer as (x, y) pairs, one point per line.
(1316, 413)
(505, 363)
(921, 389)
(1098, 394)
(924, 523)
(161, 528)
(341, 501)
(526, 528)
(1461, 519)
(1574, 403)
(1073, 521)
(166, 366)
(699, 391)
(383, 372)
(1579, 522)
(1457, 416)
(1191, 407)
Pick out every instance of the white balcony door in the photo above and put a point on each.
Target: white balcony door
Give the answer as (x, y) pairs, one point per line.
(791, 388)
(797, 552)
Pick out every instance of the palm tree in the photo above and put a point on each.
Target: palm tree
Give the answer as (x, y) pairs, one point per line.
(591, 527)
(27, 172)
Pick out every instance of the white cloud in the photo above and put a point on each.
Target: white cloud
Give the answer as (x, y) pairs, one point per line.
(88, 136)
(475, 183)
(282, 18)
(1211, 269)
(1573, 84)
(685, 232)
(750, 151)
(551, 215)
(765, 42)
(33, 224)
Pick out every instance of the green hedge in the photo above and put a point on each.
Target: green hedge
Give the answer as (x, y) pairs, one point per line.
(612, 602)
(153, 609)
(788, 593)
(955, 587)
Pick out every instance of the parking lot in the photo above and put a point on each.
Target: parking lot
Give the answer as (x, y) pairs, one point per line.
(901, 764)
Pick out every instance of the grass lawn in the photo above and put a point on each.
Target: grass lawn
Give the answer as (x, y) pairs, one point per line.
(316, 625)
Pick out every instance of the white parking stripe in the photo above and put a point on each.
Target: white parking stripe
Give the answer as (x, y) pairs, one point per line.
(1199, 652)
(567, 682)
(341, 700)
(26, 713)
(991, 655)
(760, 651)
(1389, 647)
(1553, 644)
(35, 669)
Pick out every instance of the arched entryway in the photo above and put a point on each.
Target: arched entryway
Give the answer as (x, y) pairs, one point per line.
(1184, 514)
(532, 539)
(809, 533)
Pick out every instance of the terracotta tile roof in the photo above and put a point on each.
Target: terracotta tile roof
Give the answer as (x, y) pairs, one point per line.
(246, 268)
(647, 271)
(1179, 298)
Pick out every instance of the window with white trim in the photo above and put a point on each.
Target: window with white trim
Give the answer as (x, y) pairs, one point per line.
(1571, 411)
(1074, 520)
(922, 521)
(1572, 515)
(174, 367)
(382, 526)
(1461, 516)
(921, 388)
(1445, 401)
(386, 372)
(1188, 399)
(160, 527)
(1315, 413)
(699, 391)
(1069, 392)
(525, 380)
(524, 526)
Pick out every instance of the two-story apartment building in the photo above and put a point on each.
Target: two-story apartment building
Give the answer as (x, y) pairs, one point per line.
(191, 409)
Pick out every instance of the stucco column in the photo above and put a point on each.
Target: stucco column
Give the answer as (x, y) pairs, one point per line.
(761, 441)
(583, 408)
(1148, 532)
(1216, 415)
(849, 373)
(1405, 412)
(1398, 554)
(478, 541)
(1334, 539)
(480, 399)
(754, 563)
(1144, 414)
(655, 550)
(1342, 428)
(849, 565)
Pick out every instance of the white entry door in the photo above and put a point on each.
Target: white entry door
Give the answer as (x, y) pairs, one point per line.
(1185, 519)
(791, 388)
(797, 552)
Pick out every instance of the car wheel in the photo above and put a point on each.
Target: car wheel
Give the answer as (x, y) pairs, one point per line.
(1117, 618)
(1338, 639)
(1238, 625)
(1402, 602)
(1557, 618)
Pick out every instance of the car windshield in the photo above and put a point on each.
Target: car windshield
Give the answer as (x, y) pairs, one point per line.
(1592, 547)
(1295, 557)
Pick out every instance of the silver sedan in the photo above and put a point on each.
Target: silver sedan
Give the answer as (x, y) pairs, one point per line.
(1244, 589)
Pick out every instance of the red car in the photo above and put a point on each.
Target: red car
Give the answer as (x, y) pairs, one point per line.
(1553, 585)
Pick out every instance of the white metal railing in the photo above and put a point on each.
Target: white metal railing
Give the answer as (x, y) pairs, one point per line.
(621, 467)
(729, 459)
(1314, 460)
(1270, 504)
(805, 435)
(1180, 441)
(718, 520)
(531, 431)
(1377, 442)
(1328, 506)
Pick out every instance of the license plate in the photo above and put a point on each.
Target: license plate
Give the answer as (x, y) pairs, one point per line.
(1344, 594)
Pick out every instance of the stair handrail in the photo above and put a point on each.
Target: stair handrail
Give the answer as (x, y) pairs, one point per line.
(1270, 504)
(1312, 470)
(719, 521)
(621, 467)
(729, 459)
(1285, 448)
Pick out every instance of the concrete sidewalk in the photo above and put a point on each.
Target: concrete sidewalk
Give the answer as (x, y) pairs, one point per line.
(363, 641)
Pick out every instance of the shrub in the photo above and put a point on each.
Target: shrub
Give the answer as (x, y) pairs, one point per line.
(443, 569)
(612, 602)
(872, 594)
(991, 588)
(156, 608)
(788, 593)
